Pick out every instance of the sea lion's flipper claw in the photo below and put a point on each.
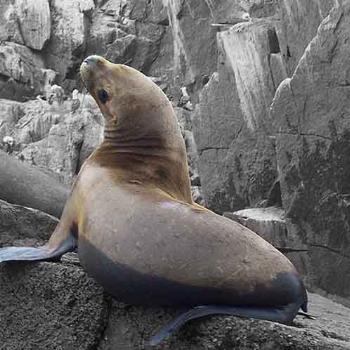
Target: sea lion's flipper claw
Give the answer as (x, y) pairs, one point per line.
(306, 315)
(281, 315)
(39, 253)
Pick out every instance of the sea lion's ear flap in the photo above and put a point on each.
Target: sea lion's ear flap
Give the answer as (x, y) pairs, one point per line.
(39, 253)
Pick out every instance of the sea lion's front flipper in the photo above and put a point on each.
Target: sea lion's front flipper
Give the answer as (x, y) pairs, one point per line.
(40, 253)
(63, 240)
(281, 315)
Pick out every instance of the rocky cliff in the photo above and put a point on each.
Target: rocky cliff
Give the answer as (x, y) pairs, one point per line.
(261, 90)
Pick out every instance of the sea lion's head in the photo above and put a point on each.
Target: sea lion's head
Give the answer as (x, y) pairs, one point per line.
(126, 97)
(141, 132)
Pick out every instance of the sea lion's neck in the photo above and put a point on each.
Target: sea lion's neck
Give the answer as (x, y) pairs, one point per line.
(139, 142)
(147, 157)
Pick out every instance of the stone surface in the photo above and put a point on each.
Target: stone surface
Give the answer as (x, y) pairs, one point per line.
(56, 306)
(10, 113)
(127, 32)
(130, 327)
(53, 136)
(21, 226)
(25, 22)
(69, 27)
(297, 25)
(21, 72)
(35, 22)
(231, 128)
(9, 22)
(310, 111)
(49, 306)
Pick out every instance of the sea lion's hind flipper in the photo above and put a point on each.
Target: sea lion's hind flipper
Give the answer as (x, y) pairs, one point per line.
(282, 315)
(36, 254)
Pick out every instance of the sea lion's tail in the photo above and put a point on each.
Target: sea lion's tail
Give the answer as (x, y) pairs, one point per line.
(283, 315)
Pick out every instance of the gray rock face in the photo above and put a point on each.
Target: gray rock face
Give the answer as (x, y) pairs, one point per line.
(21, 71)
(127, 32)
(57, 306)
(49, 306)
(312, 152)
(22, 226)
(56, 136)
(130, 327)
(25, 22)
(299, 21)
(236, 155)
(35, 22)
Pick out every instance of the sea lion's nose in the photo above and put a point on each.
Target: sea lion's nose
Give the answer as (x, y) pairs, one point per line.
(92, 60)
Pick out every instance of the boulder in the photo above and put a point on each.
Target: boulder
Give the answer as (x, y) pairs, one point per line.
(10, 23)
(297, 25)
(313, 137)
(236, 155)
(25, 22)
(69, 28)
(56, 306)
(129, 327)
(35, 22)
(21, 72)
(21, 226)
(127, 33)
(10, 113)
(49, 306)
(58, 137)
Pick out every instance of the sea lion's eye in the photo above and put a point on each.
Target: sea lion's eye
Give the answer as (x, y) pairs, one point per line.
(102, 95)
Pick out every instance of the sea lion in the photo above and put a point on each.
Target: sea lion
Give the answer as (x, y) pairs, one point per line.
(137, 230)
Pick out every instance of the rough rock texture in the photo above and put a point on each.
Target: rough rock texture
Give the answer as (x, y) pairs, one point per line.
(49, 306)
(130, 327)
(57, 136)
(34, 22)
(310, 111)
(236, 155)
(25, 22)
(21, 71)
(299, 21)
(57, 306)
(233, 129)
(22, 226)
(127, 32)
(69, 19)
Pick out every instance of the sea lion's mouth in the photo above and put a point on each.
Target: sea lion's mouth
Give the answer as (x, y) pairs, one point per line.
(86, 75)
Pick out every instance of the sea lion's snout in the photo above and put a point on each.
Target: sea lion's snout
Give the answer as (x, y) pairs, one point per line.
(90, 67)
(93, 59)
